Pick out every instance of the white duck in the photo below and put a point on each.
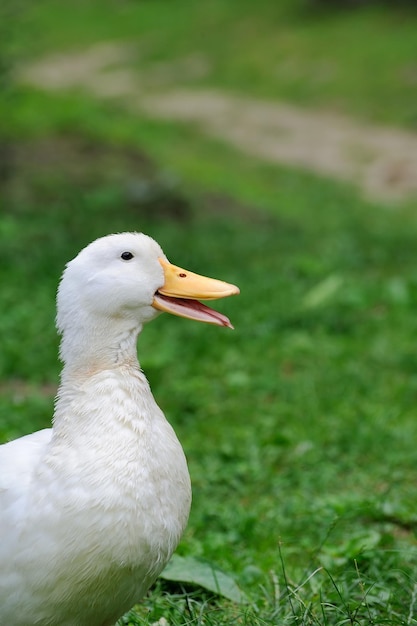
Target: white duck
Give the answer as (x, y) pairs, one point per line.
(92, 509)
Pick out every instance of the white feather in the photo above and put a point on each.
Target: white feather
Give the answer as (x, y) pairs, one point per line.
(92, 509)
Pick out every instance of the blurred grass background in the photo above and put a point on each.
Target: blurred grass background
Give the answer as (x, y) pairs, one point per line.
(300, 427)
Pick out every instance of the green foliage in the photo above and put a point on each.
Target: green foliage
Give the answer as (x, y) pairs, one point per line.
(360, 61)
(206, 575)
(299, 426)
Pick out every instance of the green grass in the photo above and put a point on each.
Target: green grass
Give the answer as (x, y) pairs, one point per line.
(299, 426)
(359, 61)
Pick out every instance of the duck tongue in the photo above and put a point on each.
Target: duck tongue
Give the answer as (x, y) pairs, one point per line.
(191, 309)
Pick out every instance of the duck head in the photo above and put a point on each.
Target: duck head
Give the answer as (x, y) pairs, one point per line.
(128, 276)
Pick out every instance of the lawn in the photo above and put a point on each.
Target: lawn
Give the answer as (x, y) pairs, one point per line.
(299, 426)
(360, 61)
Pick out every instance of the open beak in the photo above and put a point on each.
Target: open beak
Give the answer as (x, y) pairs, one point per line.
(182, 290)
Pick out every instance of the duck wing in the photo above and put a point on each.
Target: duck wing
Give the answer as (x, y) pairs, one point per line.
(18, 460)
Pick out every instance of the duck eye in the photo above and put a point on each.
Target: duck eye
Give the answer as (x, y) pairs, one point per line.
(126, 256)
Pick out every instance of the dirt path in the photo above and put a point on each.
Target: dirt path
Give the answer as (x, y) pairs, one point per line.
(382, 161)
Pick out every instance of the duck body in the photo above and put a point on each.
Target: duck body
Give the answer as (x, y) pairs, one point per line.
(92, 509)
(110, 505)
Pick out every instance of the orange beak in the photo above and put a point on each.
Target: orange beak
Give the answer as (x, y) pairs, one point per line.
(182, 290)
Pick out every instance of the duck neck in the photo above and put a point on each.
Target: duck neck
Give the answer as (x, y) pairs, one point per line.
(88, 348)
